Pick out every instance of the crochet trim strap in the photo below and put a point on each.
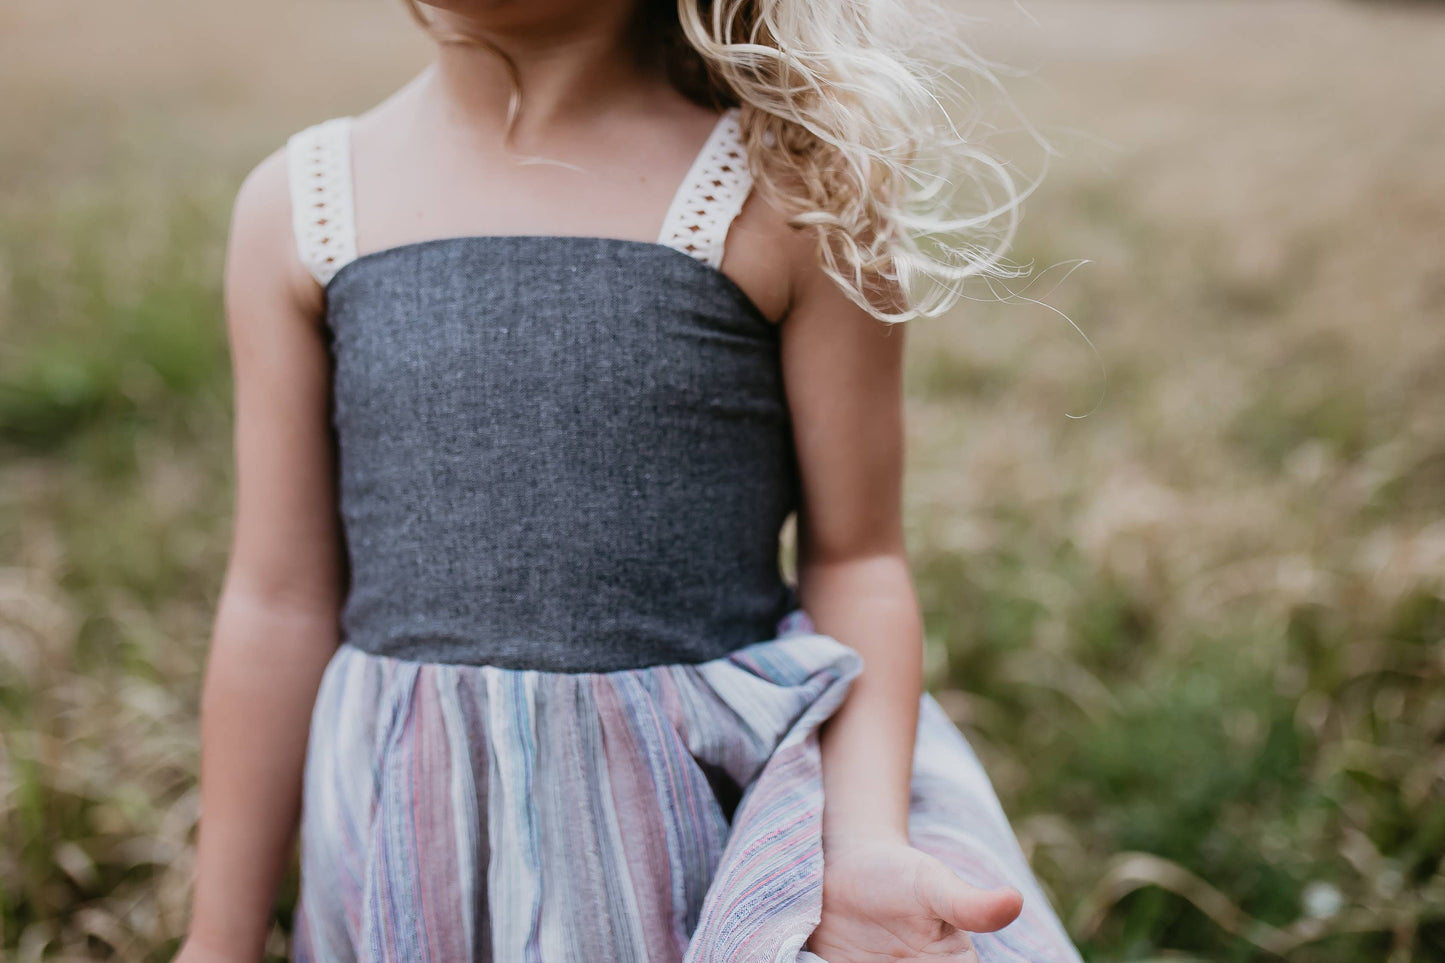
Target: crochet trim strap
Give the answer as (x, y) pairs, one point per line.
(318, 160)
(711, 196)
(323, 212)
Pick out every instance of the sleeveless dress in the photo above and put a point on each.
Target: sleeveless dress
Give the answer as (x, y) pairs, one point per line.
(574, 715)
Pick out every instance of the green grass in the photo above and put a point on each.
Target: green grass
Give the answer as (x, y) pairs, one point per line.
(1264, 746)
(1194, 636)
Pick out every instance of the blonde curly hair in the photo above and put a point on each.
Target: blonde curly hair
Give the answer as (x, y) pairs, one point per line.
(850, 112)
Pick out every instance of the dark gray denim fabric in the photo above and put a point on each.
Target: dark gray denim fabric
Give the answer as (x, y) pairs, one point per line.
(557, 453)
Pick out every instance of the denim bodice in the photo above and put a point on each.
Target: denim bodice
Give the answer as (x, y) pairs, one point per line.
(555, 452)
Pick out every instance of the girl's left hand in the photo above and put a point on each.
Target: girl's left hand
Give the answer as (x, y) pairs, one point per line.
(884, 900)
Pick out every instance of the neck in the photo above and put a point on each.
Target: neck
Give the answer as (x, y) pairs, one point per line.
(570, 67)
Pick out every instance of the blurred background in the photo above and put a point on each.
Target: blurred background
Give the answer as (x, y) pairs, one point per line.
(1196, 634)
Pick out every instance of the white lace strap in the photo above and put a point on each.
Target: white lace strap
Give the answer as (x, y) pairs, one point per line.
(323, 217)
(711, 196)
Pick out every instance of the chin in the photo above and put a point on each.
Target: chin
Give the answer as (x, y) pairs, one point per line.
(502, 11)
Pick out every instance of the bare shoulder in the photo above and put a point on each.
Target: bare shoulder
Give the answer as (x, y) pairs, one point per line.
(790, 260)
(763, 253)
(262, 261)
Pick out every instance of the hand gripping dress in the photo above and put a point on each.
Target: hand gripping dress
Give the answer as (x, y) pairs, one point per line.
(574, 714)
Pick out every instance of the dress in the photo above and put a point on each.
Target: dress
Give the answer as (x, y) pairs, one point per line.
(574, 713)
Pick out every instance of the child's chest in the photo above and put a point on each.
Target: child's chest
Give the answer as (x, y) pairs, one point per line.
(414, 194)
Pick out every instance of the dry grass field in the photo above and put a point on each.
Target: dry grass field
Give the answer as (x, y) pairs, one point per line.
(1196, 634)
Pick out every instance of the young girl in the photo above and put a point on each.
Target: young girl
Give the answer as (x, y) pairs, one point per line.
(533, 361)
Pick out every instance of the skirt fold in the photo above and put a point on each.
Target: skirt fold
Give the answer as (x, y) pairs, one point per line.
(669, 813)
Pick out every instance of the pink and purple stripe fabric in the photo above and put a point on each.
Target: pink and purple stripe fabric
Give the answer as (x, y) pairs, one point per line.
(669, 813)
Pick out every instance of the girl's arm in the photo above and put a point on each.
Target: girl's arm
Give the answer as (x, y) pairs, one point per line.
(276, 621)
(844, 376)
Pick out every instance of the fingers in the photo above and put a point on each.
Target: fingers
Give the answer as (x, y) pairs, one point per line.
(958, 902)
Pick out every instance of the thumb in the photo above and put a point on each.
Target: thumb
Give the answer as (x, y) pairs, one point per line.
(958, 902)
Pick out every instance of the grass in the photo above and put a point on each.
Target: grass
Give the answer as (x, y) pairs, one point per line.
(1195, 635)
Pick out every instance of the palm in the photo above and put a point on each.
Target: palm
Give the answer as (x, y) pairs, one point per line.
(884, 901)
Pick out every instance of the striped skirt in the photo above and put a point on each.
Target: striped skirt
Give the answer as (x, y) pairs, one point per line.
(673, 812)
